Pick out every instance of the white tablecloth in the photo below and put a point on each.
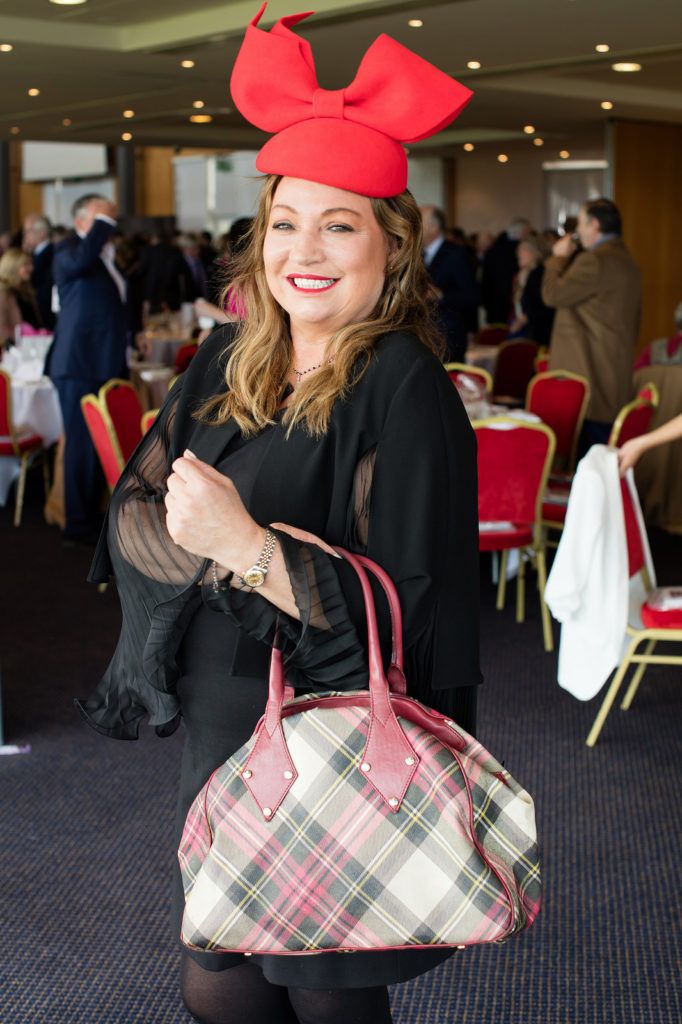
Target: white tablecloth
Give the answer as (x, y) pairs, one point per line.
(35, 407)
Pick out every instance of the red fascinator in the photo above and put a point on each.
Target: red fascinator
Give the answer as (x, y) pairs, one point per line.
(350, 138)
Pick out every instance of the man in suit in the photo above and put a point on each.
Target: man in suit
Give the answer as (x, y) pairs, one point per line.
(36, 238)
(597, 297)
(500, 267)
(88, 349)
(454, 279)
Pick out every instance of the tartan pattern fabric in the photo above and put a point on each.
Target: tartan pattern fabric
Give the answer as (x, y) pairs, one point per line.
(335, 869)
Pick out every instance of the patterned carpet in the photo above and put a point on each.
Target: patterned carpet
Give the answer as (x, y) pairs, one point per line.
(85, 828)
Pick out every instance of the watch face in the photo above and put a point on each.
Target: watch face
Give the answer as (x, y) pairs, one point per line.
(254, 577)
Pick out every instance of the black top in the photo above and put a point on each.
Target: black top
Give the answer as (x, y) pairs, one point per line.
(393, 477)
(540, 316)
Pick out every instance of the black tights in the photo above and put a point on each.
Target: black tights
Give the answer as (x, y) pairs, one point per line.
(241, 995)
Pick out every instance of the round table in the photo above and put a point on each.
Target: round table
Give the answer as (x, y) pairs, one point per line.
(35, 410)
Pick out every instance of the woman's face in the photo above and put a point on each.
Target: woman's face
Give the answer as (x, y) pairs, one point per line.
(526, 256)
(25, 271)
(324, 255)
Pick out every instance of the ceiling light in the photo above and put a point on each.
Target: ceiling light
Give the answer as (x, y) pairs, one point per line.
(66, 122)
(186, 63)
(68, 3)
(538, 142)
(503, 158)
(6, 47)
(625, 65)
(198, 104)
(14, 130)
(126, 137)
(129, 113)
(473, 65)
(602, 47)
(201, 118)
(606, 105)
(34, 92)
(529, 129)
(469, 147)
(415, 23)
(564, 154)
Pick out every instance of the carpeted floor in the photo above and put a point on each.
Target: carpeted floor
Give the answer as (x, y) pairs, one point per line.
(85, 827)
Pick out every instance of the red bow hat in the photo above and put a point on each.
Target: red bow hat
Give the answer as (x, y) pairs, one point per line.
(350, 138)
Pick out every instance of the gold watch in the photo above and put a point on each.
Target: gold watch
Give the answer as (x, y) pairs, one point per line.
(255, 574)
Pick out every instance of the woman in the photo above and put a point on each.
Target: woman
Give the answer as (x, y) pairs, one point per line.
(323, 418)
(533, 319)
(17, 299)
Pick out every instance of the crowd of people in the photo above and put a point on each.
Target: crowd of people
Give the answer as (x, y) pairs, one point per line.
(577, 293)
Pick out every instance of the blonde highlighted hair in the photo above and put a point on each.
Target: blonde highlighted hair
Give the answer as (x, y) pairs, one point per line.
(11, 263)
(260, 357)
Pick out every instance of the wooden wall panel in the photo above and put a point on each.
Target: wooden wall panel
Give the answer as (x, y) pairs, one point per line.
(647, 169)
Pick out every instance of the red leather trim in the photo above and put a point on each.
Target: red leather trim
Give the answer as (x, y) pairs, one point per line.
(397, 682)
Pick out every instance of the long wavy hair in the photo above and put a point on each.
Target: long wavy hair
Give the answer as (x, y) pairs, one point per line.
(260, 357)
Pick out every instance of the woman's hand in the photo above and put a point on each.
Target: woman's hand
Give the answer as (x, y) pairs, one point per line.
(630, 453)
(206, 516)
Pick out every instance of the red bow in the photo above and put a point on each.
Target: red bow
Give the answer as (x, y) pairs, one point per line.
(395, 92)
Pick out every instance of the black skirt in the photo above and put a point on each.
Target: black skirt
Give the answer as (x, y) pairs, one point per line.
(220, 711)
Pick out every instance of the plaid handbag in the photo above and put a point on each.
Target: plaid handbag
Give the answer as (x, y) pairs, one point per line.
(358, 821)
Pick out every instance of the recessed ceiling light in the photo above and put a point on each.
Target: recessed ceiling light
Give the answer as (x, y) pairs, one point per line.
(201, 118)
(129, 113)
(503, 158)
(469, 147)
(14, 130)
(34, 92)
(602, 47)
(606, 105)
(625, 65)
(415, 23)
(473, 65)
(6, 47)
(564, 154)
(126, 137)
(538, 142)
(529, 129)
(198, 104)
(186, 63)
(66, 121)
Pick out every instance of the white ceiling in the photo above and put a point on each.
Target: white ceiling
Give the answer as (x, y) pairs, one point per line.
(539, 65)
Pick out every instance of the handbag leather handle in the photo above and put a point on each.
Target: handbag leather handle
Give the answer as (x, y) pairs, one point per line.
(388, 761)
(396, 673)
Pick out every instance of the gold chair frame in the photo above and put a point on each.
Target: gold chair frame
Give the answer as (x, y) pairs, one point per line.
(564, 375)
(638, 636)
(92, 399)
(536, 549)
(636, 403)
(473, 371)
(24, 457)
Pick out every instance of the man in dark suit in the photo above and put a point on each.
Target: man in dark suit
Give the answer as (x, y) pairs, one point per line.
(454, 280)
(88, 349)
(36, 240)
(500, 267)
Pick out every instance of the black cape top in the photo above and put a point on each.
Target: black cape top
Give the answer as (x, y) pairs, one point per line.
(394, 477)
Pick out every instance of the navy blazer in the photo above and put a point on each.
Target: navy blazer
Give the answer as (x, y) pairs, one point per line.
(90, 337)
(42, 282)
(453, 274)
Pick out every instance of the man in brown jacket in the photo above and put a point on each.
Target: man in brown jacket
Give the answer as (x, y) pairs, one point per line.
(597, 296)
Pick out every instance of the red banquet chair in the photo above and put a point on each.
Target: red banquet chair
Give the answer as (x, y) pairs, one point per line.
(477, 373)
(541, 364)
(514, 368)
(21, 443)
(514, 458)
(633, 420)
(560, 399)
(492, 334)
(654, 623)
(147, 419)
(104, 438)
(119, 400)
(184, 357)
